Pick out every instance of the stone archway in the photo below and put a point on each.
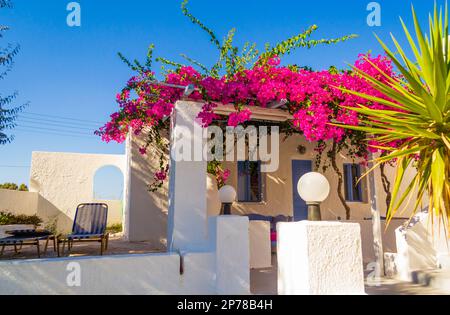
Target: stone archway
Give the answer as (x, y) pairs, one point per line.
(67, 179)
(109, 187)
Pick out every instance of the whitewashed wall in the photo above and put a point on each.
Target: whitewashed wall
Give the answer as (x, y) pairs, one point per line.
(64, 180)
(221, 269)
(146, 211)
(422, 245)
(319, 258)
(387, 233)
(31, 203)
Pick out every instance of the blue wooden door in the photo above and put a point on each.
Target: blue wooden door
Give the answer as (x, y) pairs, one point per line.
(299, 168)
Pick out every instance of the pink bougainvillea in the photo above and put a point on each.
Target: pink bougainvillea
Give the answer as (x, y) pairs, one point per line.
(222, 176)
(314, 98)
(240, 117)
(207, 115)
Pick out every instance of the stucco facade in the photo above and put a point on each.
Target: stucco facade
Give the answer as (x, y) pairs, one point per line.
(278, 186)
(320, 258)
(214, 252)
(65, 180)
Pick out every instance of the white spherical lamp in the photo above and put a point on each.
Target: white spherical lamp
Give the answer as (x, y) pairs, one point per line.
(227, 195)
(313, 188)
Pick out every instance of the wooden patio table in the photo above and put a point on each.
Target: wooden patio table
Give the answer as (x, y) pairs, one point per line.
(28, 237)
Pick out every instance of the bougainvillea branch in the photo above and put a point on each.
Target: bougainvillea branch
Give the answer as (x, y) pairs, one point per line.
(250, 79)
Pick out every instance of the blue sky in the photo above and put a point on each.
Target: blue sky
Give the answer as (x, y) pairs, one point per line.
(75, 72)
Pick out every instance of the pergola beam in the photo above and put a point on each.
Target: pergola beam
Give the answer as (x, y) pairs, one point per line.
(258, 113)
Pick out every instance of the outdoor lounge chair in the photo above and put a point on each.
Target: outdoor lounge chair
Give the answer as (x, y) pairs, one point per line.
(89, 226)
(27, 237)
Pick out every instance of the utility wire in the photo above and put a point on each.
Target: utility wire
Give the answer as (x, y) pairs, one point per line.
(54, 125)
(56, 130)
(61, 117)
(56, 134)
(92, 125)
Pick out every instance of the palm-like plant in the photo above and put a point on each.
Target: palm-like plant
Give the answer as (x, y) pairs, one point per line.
(418, 117)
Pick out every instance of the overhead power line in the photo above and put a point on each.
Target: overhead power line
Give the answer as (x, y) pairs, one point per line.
(53, 125)
(80, 124)
(62, 134)
(56, 130)
(64, 118)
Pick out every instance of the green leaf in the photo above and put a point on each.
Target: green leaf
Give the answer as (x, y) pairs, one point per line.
(437, 177)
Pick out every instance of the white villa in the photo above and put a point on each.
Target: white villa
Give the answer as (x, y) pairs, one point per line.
(196, 251)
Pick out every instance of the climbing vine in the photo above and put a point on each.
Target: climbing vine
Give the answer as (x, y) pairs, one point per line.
(248, 78)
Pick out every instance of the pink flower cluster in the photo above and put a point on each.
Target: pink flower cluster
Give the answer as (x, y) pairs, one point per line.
(313, 122)
(207, 115)
(161, 175)
(314, 97)
(240, 117)
(222, 176)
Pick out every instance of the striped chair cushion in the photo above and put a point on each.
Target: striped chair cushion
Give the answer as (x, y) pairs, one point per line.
(90, 219)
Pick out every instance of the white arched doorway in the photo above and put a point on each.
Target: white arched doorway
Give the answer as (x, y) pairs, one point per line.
(108, 187)
(66, 180)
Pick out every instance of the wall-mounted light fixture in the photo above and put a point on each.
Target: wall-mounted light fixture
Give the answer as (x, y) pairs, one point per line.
(278, 104)
(188, 90)
(301, 149)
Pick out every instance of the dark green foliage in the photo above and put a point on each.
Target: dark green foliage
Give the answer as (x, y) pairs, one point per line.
(136, 65)
(114, 228)
(8, 115)
(232, 59)
(7, 218)
(301, 41)
(212, 35)
(13, 186)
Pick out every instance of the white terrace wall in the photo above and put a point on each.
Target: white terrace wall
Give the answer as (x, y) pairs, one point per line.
(64, 180)
(19, 202)
(32, 203)
(211, 257)
(221, 269)
(61, 181)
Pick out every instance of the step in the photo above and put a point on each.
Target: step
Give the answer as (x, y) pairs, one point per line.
(444, 261)
(436, 279)
(390, 266)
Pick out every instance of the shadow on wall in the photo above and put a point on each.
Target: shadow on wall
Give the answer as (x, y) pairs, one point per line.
(53, 217)
(417, 242)
(388, 235)
(65, 180)
(32, 203)
(148, 210)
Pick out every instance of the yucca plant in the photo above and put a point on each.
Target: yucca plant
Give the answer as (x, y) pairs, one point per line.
(418, 118)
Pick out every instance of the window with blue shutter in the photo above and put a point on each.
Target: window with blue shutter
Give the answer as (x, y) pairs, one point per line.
(353, 188)
(249, 181)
